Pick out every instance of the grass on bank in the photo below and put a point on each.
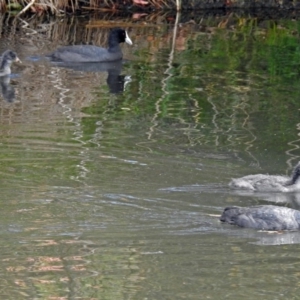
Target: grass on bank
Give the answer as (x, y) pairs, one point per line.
(52, 6)
(59, 6)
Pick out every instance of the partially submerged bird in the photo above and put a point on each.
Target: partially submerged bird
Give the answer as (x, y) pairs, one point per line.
(89, 53)
(6, 59)
(263, 217)
(268, 183)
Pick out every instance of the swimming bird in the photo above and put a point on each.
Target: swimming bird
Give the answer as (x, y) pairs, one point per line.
(263, 217)
(89, 53)
(6, 59)
(269, 183)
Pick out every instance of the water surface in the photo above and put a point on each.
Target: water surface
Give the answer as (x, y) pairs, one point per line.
(113, 177)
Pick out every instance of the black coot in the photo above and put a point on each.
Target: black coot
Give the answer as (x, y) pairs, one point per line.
(264, 217)
(89, 53)
(6, 59)
(268, 183)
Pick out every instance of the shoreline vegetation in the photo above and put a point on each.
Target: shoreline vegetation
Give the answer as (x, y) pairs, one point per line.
(59, 7)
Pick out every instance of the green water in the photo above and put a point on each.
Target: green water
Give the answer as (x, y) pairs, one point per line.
(109, 188)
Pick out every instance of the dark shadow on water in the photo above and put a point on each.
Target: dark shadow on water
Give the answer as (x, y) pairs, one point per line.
(6, 89)
(115, 81)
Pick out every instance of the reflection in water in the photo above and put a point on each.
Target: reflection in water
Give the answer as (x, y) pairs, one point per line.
(115, 81)
(290, 199)
(264, 237)
(7, 90)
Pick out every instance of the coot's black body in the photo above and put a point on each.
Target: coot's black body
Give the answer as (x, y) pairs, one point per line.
(268, 183)
(89, 53)
(264, 217)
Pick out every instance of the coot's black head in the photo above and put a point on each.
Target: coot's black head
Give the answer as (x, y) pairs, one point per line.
(8, 57)
(117, 36)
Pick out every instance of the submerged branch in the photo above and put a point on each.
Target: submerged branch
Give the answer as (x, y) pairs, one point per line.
(26, 8)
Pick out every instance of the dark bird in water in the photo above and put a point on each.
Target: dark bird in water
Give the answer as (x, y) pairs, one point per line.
(263, 217)
(89, 53)
(6, 59)
(268, 183)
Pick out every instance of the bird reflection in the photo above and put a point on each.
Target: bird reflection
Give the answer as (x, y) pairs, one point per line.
(7, 90)
(115, 81)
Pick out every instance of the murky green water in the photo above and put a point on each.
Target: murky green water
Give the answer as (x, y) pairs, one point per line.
(109, 187)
